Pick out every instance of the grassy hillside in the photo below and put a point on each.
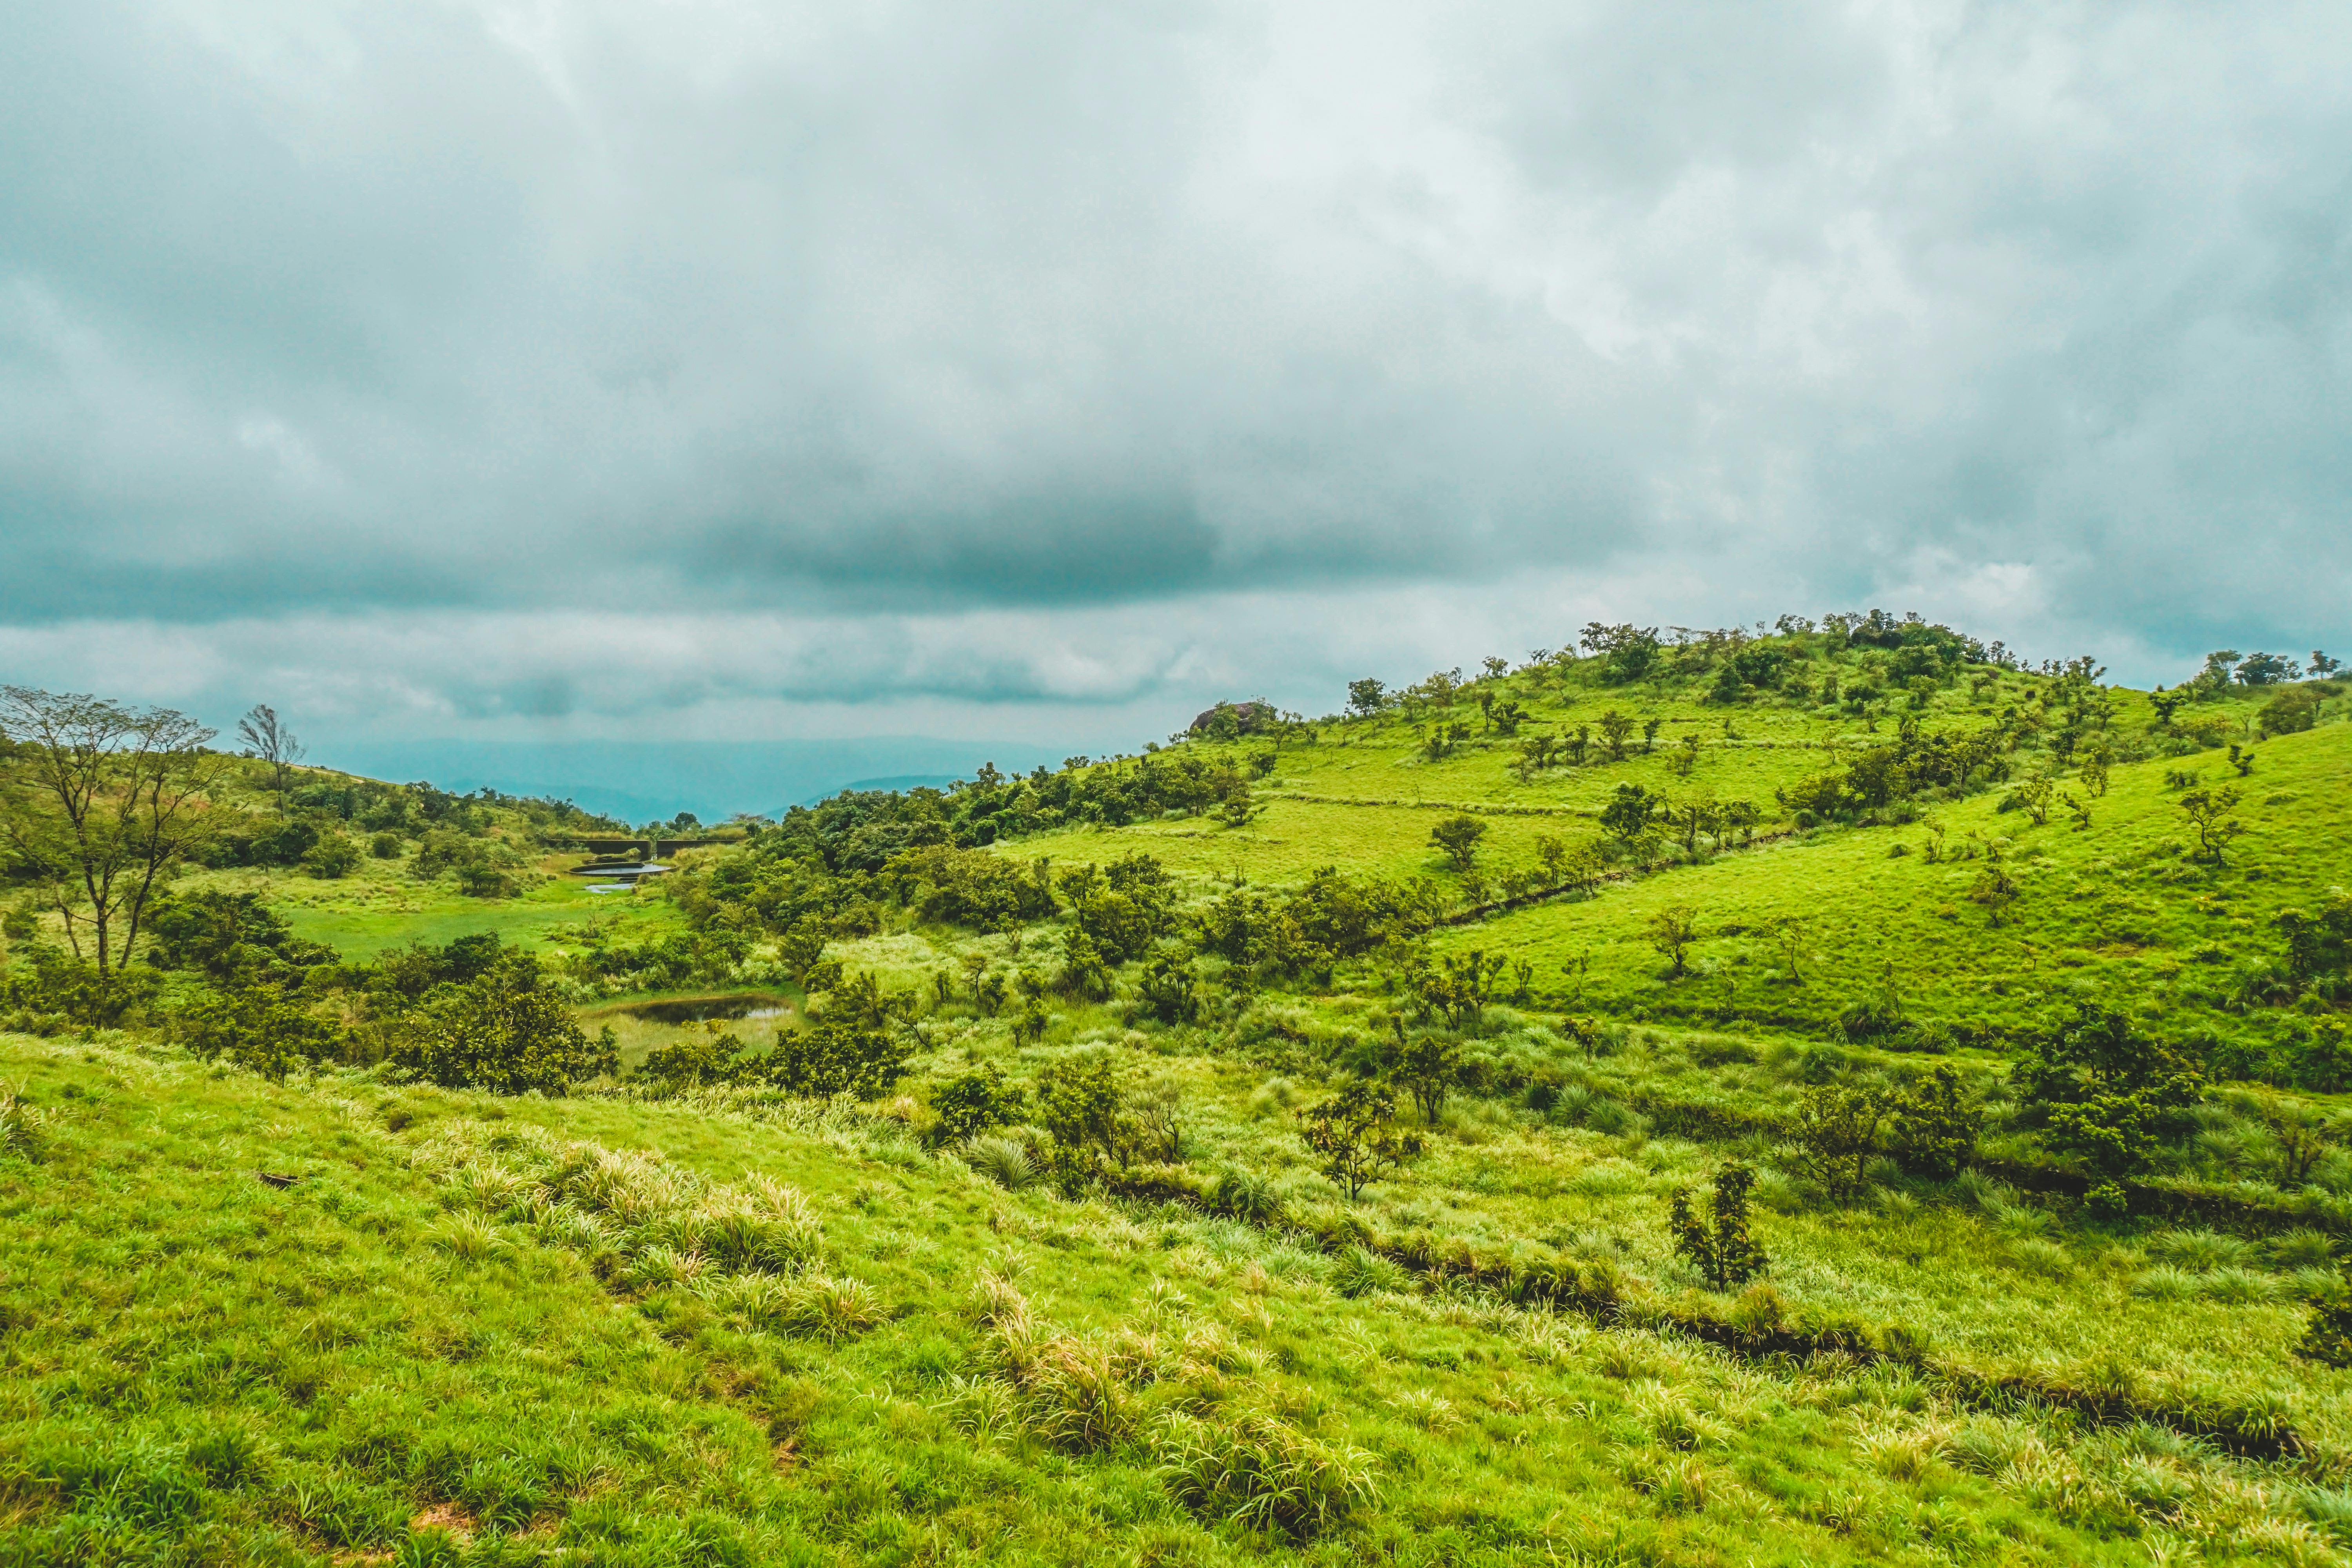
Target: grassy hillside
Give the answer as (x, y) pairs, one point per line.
(468, 1338)
(998, 1230)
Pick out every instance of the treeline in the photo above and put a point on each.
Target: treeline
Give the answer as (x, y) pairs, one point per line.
(326, 827)
(474, 1012)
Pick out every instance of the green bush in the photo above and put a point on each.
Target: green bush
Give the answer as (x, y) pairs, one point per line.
(1726, 1251)
(696, 1063)
(257, 1027)
(838, 1054)
(973, 1102)
(506, 1031)
(1933, 1126)
(332, 856)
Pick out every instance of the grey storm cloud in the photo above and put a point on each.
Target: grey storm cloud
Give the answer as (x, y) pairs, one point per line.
(1037, 353)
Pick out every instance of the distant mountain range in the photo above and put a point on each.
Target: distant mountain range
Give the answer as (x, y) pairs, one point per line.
(645, 780)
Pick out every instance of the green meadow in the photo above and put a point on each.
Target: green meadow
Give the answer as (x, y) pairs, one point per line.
(995, 1213)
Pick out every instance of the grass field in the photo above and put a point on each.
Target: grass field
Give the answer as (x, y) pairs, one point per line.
(381, 906)
(408, 1351)
(729, 1326)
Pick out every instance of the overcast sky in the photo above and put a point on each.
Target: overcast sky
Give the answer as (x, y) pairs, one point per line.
(1046, 371)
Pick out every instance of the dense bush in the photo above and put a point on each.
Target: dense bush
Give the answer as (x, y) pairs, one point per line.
(505, 1029)
(2106, 1094)
(838, 1054)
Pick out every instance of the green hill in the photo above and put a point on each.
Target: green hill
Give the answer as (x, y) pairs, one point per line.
(1196, 1156)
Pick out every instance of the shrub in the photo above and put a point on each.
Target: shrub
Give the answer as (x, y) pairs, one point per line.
(838, 1054)
(2107, 1093)
(694, 1063)
(506, 1030)
(1934, 1126)
(973, 1102)
(257, 1026)
(1171, 991)
(1724, 1251)
(2291, 711)
(1078, 1100)
(332, 856)
(1836, 1133)
(2327, 1335)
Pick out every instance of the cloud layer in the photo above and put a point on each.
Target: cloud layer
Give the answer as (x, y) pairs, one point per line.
(489, 365)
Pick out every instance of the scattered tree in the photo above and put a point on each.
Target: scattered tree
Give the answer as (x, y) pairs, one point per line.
(1995, 890)
(1726, 1251)
(1458, 837)
(102, 804)
(1615, 729)
(2094, 770)
(1629, 812)
(1355, 1136)
(1836, 1134)
(1672, 931)
(2211, 815)
(1457, 987)
(1157, 1123)
(1790, 934)
(1428, 1065)
(266, 738)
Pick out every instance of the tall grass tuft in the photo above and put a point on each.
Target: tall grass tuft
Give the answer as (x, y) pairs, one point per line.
(23, 1134)
(1258, 1471)
(1361, 1271)
(467, 1237)
(2201, 1250)
(1004, 1160)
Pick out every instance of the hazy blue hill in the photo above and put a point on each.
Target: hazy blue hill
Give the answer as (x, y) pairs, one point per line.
(641, 780)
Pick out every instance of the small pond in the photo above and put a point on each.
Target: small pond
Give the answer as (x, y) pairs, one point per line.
(701, 1009)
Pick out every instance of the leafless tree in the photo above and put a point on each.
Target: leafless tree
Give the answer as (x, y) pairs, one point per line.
(267, 737)
(103, 801)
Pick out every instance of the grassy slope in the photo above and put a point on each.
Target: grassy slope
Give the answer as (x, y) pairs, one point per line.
(202, 1365)
(392, 1363)
(381, 905)
(2116, 911)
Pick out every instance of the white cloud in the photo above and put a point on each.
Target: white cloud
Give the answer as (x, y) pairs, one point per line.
(728, 363)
